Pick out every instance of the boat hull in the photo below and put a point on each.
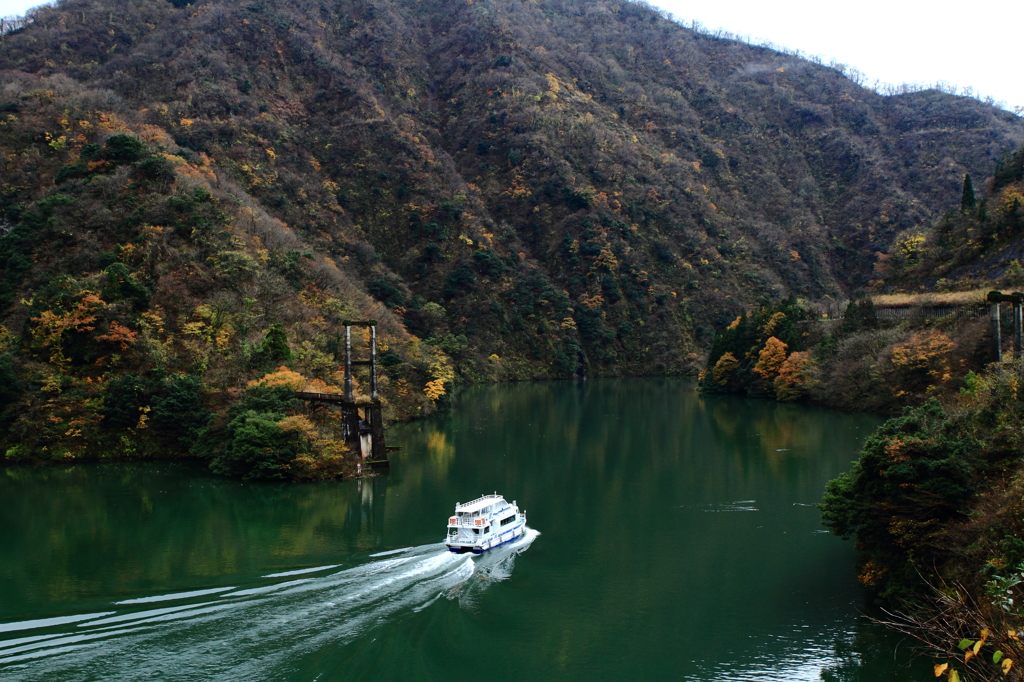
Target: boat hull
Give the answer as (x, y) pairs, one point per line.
(515, 534)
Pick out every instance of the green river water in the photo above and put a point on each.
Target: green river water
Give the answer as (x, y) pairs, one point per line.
(673, 537)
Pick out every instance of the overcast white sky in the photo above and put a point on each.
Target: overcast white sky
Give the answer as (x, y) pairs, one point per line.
(967, 44)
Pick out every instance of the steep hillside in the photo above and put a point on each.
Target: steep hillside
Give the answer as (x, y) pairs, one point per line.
(979, 245)
(152, 307)
(571, 182)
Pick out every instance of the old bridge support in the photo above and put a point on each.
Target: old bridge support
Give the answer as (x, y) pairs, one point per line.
(363, 432)
(1016, 299)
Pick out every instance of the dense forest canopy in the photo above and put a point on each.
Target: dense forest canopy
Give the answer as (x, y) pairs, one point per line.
(517, 189)
(594, 156)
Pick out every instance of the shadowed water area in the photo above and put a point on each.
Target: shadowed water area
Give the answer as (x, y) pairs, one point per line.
(673, 537)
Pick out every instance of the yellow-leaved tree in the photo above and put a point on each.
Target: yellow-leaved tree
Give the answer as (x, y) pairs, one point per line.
(441, 372)
(725, 369)
(282, 376)
(922, 362)
(770, 359)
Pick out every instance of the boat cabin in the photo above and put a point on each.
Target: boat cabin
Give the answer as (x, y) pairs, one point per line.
(475, 522)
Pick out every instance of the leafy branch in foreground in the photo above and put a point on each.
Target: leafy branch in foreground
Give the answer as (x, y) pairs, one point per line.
(972, 640)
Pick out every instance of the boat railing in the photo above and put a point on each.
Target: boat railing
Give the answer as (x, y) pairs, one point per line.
(479, 499)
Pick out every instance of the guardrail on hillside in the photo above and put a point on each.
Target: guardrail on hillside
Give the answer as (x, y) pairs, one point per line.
(914, 312)
(959, 311)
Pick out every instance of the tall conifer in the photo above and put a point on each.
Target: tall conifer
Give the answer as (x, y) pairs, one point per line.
(967, 200)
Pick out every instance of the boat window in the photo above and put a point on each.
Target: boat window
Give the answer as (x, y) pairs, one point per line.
(509, 520)
(487, 529)
(476, 531)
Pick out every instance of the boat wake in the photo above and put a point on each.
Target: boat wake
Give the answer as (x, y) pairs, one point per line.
(248, 632)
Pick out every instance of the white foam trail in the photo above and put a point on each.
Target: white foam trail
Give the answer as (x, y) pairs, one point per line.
(256, 633)
(742, 506)
(189, 614)
(139, 614)
(41, 654)
(21, 640)
(427, 566)
(177, 595)
(382, 566)
(63, 640)
(264, 590)
(50, 622)
(529, 535)
(428, 602)
(315, 569)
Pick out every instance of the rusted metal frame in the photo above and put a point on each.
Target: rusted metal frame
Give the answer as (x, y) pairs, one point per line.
(372, 409)
(372, 412)
(373, 365)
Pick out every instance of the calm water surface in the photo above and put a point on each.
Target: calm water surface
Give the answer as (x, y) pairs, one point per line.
(674, 537)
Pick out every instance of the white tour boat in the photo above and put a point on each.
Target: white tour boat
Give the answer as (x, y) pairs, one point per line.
(484, 524)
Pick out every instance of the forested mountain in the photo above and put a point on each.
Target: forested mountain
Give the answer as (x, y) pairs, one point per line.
(533, 188)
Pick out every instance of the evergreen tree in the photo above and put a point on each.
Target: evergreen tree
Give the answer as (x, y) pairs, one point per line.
(860, 315)
(275, 345)
(967, 200)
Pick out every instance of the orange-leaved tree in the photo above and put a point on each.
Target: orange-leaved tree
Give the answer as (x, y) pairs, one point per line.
(119, 334)
(923, 361)
(794, 377)
(770, 359)
(52, 328)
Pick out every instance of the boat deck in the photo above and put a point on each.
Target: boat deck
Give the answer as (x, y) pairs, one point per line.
(478, 504)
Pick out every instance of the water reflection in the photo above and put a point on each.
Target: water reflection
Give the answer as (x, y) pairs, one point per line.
(101, 532)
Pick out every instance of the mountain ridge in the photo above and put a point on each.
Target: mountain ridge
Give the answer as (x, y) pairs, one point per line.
(373, 43)
(533, 189)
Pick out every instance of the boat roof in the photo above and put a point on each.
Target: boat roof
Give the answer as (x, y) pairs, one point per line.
(479, 503)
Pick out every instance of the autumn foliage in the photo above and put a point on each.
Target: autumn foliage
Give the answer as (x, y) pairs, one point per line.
(751, 352)
(770, 359)
(192, 195)
(149, 305)
(512, 178)
(795, 377)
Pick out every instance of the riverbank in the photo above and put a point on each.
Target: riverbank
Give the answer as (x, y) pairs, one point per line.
(788, 352)
(264, 432)
(935, 504)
